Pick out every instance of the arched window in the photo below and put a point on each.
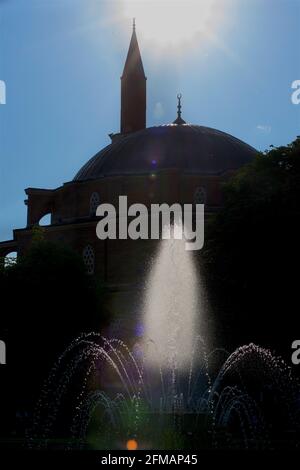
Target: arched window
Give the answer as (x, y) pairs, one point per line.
(94, 203)
(200, 196)
(10, 259)
(89, 259)
(45, 220)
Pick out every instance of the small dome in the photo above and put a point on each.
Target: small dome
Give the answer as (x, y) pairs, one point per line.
(189, 148)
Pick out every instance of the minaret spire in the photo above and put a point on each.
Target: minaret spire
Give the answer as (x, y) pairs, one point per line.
(179, 119)
(133, 89)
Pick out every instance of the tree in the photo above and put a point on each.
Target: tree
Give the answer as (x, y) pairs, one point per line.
(49, 301)
(252, 253)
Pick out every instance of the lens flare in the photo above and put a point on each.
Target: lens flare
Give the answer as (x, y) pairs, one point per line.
(132, 444)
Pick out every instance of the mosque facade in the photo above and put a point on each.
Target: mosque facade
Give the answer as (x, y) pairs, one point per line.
(172, 163)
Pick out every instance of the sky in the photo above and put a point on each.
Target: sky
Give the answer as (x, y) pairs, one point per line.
(234, 62)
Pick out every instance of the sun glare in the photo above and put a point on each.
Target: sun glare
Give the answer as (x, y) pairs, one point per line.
(174, 22)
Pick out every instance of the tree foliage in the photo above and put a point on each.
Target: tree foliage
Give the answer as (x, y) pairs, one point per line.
(49, 301)
(252, 250)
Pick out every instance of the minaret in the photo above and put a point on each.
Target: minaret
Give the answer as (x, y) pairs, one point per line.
(133, 89)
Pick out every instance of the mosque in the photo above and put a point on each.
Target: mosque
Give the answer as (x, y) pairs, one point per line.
(172, 163)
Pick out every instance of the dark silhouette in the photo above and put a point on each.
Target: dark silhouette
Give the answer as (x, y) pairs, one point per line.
(252, 253)
(50, 301)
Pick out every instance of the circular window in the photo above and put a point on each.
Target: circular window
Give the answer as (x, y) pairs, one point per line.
(200, 196)
(94, 203)
(89, 259)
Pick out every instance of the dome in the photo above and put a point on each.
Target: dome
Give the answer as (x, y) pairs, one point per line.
(189, 148)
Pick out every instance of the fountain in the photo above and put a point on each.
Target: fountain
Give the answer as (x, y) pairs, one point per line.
(162, 393)
(172, 312)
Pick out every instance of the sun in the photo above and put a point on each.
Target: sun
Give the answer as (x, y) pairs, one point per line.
(174, 22)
